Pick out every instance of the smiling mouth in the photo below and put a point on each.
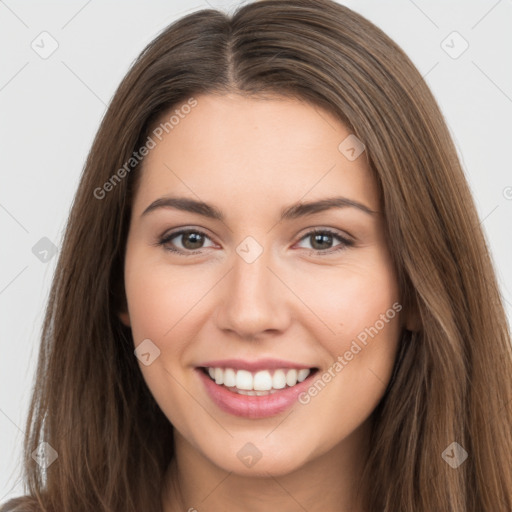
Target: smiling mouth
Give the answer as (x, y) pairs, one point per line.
(260, 383)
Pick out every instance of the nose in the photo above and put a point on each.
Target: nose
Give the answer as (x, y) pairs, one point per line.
(254, 302)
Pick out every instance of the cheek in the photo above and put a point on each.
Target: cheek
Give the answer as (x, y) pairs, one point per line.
(160, 304)
(362, 355)
(160, 299)
(349, 298)
(360, 305)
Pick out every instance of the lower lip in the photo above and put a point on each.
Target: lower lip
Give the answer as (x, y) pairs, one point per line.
(253, 407)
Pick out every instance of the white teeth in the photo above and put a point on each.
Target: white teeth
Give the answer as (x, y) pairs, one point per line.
(260, 383)
(291, 377)
(243, 379)
(244, 392)
(229, 378)
(263, 381)
(279, 379)
(302, 374)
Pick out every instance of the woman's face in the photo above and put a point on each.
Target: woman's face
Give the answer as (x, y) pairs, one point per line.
(298, 329)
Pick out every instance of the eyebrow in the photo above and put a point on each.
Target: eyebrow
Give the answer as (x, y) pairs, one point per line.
(291, 212)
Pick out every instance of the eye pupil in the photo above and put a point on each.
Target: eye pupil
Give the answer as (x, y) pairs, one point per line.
(194, 237)
(321, 238)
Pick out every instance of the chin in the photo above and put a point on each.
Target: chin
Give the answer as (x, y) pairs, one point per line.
(259, 459)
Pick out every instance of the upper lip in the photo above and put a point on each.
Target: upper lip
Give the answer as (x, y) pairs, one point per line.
(253, 366)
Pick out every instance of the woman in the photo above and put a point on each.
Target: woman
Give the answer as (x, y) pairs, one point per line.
(247, 370)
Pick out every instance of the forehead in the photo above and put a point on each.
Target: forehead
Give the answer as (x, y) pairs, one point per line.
(253, 153)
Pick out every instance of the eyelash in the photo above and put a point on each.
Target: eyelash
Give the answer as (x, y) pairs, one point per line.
(345, 242)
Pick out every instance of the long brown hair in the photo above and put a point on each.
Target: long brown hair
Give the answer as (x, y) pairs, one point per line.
(452, 380)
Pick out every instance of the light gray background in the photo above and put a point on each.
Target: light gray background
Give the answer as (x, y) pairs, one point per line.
(51, 109)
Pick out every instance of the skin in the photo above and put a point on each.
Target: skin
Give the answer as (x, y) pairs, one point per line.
(251, 158)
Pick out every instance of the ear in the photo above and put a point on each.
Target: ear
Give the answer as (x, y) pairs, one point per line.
(124, 316)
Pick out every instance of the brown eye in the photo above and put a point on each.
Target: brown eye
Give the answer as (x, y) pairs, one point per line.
(192, 241)
(322, 240)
